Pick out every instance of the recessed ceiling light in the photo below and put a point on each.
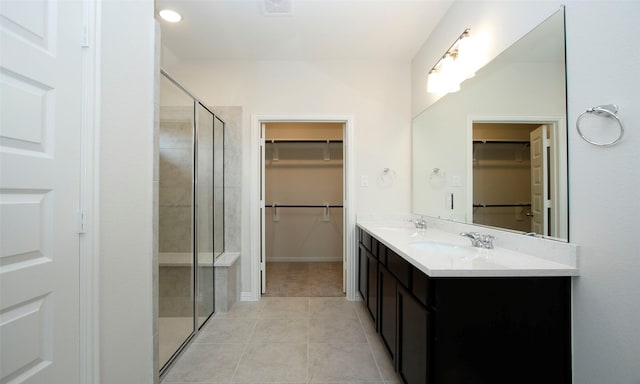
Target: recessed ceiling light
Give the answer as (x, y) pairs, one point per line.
(277, 7)
(170, 16)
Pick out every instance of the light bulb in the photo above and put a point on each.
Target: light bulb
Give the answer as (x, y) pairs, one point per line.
(466, 57)
(170, 16)
(449, 72)
(434, 82)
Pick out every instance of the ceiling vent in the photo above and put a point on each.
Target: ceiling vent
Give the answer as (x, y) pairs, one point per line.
(277, 7)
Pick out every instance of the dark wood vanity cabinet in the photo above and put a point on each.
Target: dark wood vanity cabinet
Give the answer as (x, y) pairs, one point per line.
(372, 286)
(413, 330)
(501, 330)
(367, 276)
(471, 330)
(387, 304)
(363, 275)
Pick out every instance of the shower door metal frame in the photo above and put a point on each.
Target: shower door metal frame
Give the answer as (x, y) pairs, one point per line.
(194, 237)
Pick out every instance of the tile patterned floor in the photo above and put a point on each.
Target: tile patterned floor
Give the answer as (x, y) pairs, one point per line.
(299, 340)
(304, 279)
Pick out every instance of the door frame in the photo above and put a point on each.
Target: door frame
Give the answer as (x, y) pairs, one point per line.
(88, 211)
(350, 262)
(559, 166)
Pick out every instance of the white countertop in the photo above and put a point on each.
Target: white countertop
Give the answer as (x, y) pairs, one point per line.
(438, 253)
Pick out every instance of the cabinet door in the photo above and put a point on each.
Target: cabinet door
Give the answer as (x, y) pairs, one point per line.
(387, 286)
(372, 286)
(362, 272)
(413, 339)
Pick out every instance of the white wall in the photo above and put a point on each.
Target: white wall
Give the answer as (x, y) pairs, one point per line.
(375, 93)
(604, 183)
(125, 192)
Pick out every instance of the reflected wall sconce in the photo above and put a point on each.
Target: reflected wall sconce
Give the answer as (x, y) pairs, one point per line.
(455, 66)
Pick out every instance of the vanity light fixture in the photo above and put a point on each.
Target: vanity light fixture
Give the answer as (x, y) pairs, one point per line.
(455, 66)
(170, 15)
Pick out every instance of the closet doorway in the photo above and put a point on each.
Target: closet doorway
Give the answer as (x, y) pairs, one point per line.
(303, 221)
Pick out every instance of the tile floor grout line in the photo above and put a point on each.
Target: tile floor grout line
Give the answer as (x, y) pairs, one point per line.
(246, 347)
(375, 359)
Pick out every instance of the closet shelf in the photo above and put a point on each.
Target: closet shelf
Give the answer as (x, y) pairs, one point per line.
(294, 163)
(301, 206)
(277, 141)
(501, 205)
(285, 149)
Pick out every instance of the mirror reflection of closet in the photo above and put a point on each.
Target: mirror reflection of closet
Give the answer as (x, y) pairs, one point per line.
(514, 176)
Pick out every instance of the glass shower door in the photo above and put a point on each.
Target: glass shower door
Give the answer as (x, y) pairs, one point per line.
(191, 216)
(204, 213)
(175, 215)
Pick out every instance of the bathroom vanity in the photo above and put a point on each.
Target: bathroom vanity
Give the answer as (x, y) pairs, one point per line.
(451, 313)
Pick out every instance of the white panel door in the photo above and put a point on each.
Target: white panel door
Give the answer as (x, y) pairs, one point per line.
(539, 181)
(40, 126)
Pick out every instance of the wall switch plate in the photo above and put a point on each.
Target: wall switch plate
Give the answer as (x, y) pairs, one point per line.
(456, 181)
(364, 181)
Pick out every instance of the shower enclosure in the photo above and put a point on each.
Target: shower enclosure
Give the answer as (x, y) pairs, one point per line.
(190, 214)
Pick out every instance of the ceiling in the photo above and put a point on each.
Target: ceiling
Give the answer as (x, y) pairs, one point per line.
(315, 30)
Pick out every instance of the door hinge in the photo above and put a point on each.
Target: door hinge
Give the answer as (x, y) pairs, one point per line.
(80, 228)
(85, 36)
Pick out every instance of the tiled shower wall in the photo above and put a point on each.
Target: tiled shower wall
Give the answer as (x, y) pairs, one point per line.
(232, 116)
(175, 208)
(175, 180)
(175, 194)
(176, 174)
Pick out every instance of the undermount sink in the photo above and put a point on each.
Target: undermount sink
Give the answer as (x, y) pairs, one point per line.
(446, 249)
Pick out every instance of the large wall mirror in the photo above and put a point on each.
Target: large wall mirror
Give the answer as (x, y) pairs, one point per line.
(495, 153)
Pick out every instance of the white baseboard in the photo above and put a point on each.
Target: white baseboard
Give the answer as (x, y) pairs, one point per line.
(248, 296)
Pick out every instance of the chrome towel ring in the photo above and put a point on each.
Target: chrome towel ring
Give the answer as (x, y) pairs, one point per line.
(386, 177)
(609, 110)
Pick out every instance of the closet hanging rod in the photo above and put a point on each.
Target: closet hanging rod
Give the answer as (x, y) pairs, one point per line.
(301, 206)
(501, 205)
(272, 141)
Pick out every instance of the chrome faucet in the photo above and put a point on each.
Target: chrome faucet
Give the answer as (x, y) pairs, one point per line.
(478, 240)
(420, 223)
